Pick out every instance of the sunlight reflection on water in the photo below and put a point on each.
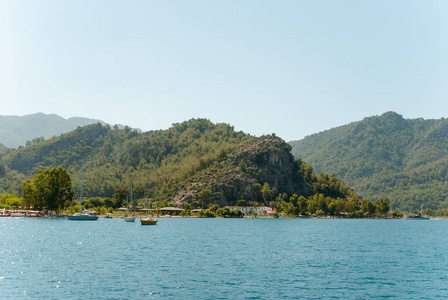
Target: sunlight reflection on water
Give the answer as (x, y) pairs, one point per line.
(223, 258)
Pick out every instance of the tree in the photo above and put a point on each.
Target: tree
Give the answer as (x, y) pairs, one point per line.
(107, 202)
(187, 206)
(50, 188)
(204, 196)
(382, 206)
(332, 208)
(367, 207)
(266, 192)
(59, 187)
(9, 200)
(29, 194)
(241, 202)
(302, 205)
(121, 193)
(272, 205)
(96, 201)
(294, 199)
(242, 166)
(2, 169)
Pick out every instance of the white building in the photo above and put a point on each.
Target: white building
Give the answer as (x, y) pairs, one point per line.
(259, 210)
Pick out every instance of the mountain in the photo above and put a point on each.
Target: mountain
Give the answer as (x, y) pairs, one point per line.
(240, 175)
(259, 164)
(404, 160)
(3, 148)
(18, 130)
(181, 162)
(116, 157)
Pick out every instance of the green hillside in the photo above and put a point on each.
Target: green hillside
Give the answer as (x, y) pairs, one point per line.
(116, 157)
(3, 148)
(184, 164)
(404, 160)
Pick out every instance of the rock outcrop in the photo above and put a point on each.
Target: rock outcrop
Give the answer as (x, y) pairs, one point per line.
(242, 173)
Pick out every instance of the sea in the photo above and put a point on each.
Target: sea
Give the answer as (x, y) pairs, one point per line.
(195, 258)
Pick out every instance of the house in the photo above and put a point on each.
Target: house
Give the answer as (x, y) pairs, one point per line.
(172, 211)
(259, 210)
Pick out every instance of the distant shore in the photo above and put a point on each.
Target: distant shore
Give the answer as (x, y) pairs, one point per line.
(52, 216)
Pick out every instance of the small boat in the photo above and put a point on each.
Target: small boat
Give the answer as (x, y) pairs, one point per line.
(419, 216)
(18, 214)
(130, 218)
(148, 220)
(80, 216)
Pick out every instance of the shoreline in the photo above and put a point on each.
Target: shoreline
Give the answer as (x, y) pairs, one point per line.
(201, 217)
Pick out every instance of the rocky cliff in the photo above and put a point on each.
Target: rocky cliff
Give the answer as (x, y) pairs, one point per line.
(243, 172)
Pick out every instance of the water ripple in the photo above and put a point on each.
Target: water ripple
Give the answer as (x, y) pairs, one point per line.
(223, 259)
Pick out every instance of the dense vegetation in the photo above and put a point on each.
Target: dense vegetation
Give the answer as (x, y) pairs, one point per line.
(259, 171)
(3, 148)
(49, 189)
(114, 158)
(387, 156)
(195, 163)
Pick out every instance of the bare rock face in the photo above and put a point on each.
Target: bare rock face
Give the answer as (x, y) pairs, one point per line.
(241, 175)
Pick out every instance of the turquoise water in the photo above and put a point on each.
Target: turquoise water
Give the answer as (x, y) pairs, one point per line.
(224, 259)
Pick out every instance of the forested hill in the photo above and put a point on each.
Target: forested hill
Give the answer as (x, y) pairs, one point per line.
(404, 160)
(260, 171)
(18, 130)
(3, 148)
(188, 159)
(116, 157)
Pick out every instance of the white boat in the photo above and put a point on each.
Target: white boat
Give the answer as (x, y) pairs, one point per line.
(80, 216)
(129, 218)
(18, 214)
(419, 216)
(148, 220)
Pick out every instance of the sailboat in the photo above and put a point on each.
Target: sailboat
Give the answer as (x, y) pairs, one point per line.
(130, 218)
(148, 220)
(80, 216)
(419, 216)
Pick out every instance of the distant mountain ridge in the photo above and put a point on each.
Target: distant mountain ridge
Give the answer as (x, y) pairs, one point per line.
(17, 130)
(405, 160)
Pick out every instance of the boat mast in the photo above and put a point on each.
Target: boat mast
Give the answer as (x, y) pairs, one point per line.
(127, 205)
(80, 194)
(147, 195)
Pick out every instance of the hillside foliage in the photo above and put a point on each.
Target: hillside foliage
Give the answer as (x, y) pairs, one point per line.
(192, 162)
(387, 156)
(115, 158)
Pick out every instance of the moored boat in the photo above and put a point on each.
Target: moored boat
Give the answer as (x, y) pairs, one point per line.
(80, 216)
(148, 220)
(419, 216)
(129, 218)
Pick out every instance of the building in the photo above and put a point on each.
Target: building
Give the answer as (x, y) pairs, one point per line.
(259, 210)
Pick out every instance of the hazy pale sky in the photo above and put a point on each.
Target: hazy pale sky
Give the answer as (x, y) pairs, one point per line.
(292, 68)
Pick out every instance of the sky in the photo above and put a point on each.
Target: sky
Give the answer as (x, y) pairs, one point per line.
(292, 68)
